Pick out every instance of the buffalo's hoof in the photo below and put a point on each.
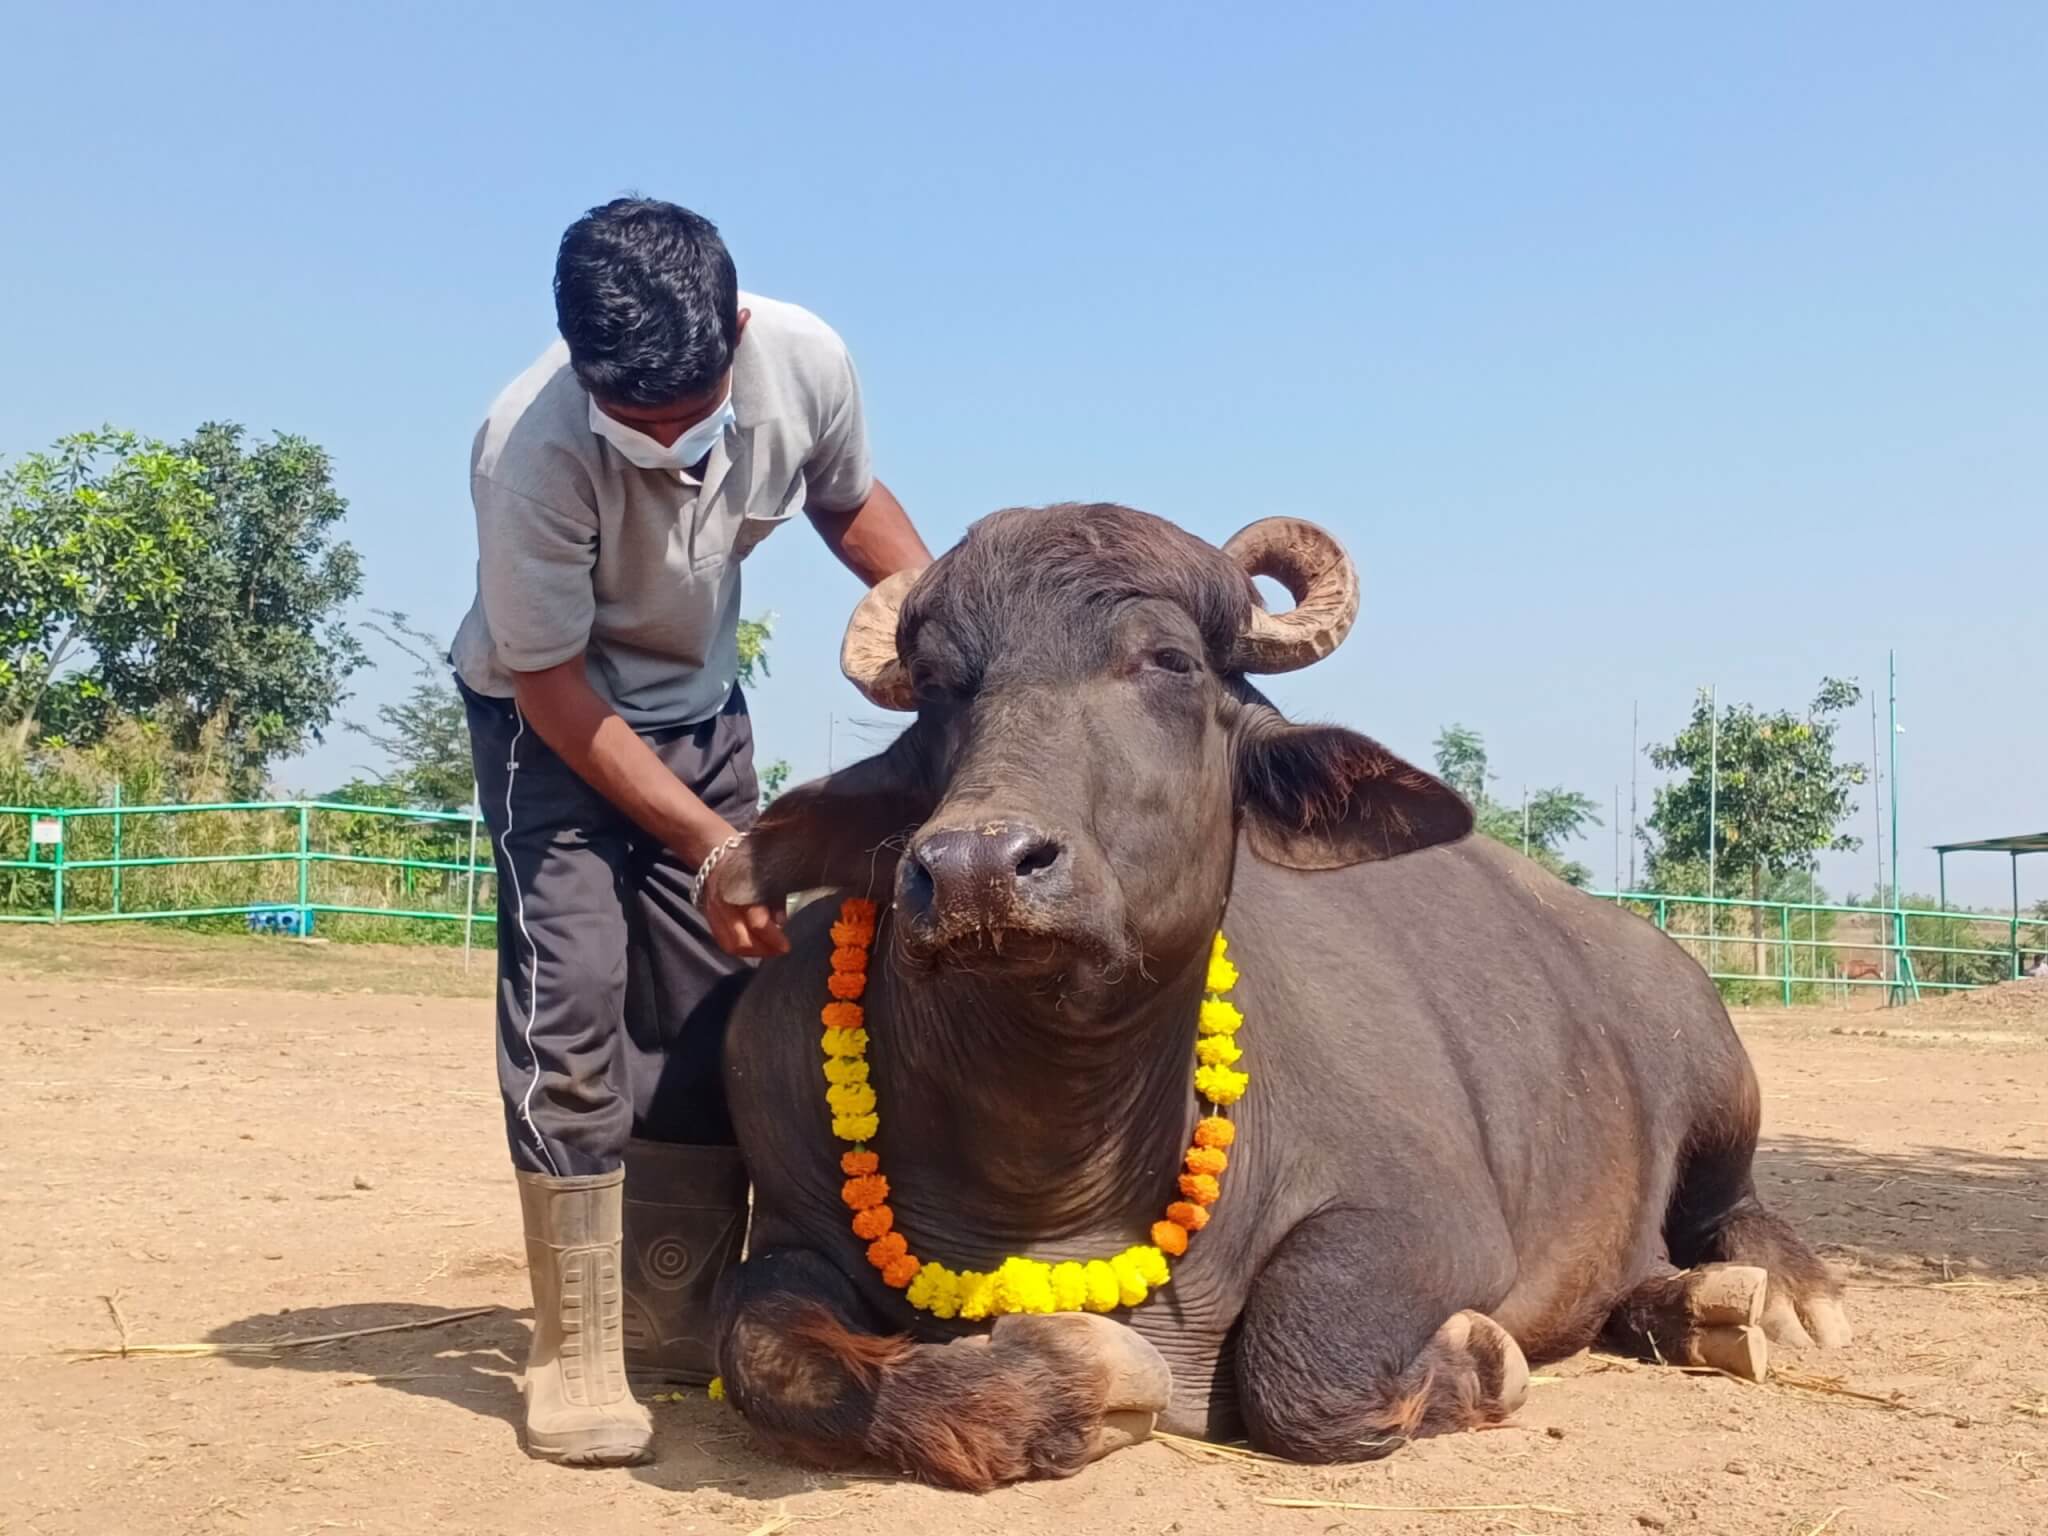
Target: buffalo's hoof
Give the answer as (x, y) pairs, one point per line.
(1137, 1384)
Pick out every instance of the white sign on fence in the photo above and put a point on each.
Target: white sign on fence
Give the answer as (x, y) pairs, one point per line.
(47, 831)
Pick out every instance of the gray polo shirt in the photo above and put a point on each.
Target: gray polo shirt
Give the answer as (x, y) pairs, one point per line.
(578, 550)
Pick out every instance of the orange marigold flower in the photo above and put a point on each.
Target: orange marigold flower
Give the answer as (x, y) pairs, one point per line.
(850, 959)
(887, 1249)
(1183, 1213)
(900, 1272)
(867, 1191)
(1209, 1160)
(1201, 1188)
(842, 1015)
(1169, 1238)
(855, 910)
(854, 1164)
(847, 986)
(1210, 1130)
(873, 1222)
(844, 933)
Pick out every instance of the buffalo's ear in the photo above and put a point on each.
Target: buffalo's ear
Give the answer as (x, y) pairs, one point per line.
(843, 830)
(1320, 797)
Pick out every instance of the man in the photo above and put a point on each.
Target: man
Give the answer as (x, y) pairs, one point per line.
(619, 482)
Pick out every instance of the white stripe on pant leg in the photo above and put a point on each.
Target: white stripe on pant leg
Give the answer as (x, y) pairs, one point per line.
(532, 951)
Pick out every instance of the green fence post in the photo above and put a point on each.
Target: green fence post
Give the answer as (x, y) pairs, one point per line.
(305, 866)
(1663, 916)
(117, 847)
(57, 878)
(1785, 933)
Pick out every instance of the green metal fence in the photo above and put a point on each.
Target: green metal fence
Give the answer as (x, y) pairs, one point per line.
(395, 866)
(1818, 951)
(125, 863)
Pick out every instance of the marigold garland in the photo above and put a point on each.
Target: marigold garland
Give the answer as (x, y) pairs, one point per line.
(1018, 1284)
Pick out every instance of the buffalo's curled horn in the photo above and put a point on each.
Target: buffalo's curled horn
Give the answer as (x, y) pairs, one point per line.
(1313, 567)
(868, 653)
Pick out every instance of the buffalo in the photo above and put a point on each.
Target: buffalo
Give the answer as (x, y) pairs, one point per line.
(1444, 1168)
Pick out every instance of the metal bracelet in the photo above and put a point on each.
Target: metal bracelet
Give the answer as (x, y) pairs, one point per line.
(711, 862)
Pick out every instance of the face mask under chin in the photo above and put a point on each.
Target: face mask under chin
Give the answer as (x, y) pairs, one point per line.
(642, 451)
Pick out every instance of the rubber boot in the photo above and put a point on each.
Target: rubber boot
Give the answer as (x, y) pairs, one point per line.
(686, 1215)
(579, 1409)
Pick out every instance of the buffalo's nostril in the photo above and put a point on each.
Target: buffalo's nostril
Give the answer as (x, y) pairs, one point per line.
(1041, 856)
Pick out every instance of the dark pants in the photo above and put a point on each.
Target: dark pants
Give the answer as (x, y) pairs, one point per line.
(612, 997)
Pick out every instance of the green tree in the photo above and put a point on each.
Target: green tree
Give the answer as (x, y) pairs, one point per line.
(97, 539)
(260, 647)
(426, 733)
(754, 635)
(1782, 796)
(1551, 818)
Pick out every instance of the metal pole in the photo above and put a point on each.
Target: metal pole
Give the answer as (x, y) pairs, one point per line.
(1948, 936)
(1525, 821)
(1635, 721)
(2015, 916)
(1876, 806)
(469, 910)
(1617, 836)
(1713, 813)
(117, 847)
(57, 890)
(1898, 903)
(305, 866)
(1785, 933)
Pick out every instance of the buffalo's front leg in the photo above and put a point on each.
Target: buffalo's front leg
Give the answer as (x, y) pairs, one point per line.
(1364, 1332)
(1033, 1397)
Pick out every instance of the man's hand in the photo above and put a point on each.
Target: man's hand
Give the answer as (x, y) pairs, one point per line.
(750, 931)
(589, 736)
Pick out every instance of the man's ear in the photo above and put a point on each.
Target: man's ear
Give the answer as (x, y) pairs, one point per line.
(844, 830)
(1321, 797)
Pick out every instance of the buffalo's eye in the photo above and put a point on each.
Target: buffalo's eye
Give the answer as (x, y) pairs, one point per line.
(1167, 659)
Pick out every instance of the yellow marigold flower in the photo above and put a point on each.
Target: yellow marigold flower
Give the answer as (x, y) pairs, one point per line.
(1170, 1239)
(856, 1127)
(1102, 1286)
(846, 1042)
(1209, 1160)
(936, 1289)
(845, 1069)
(1131, 1288)
(1221, 1085)
(977, 1295)
(1218, 1017)
(1151, 1264)
(1069, 1287)
(1222, 974)
(1217, 1051)
(716, 1391)
(1219, 946)
(842, 1015)
(1023, 1285)
(851, 1098)
(1214, 1131)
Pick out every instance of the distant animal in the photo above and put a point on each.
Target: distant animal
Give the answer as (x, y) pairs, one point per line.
(1443, 1169)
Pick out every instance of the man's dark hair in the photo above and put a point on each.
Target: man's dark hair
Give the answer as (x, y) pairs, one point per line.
(646, 297)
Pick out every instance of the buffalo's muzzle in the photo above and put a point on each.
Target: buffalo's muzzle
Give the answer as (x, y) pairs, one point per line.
(994, 876)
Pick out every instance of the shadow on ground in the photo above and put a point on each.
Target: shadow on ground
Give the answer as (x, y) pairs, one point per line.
(1929, 1212)
(474, 1364)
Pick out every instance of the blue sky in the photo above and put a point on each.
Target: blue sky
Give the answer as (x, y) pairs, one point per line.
(1629, 348)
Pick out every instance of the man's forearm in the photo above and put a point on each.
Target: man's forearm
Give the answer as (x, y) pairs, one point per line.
(610, 757)
(875, 539)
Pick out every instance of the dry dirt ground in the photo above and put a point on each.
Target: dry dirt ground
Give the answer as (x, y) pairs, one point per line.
(243, 1140)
